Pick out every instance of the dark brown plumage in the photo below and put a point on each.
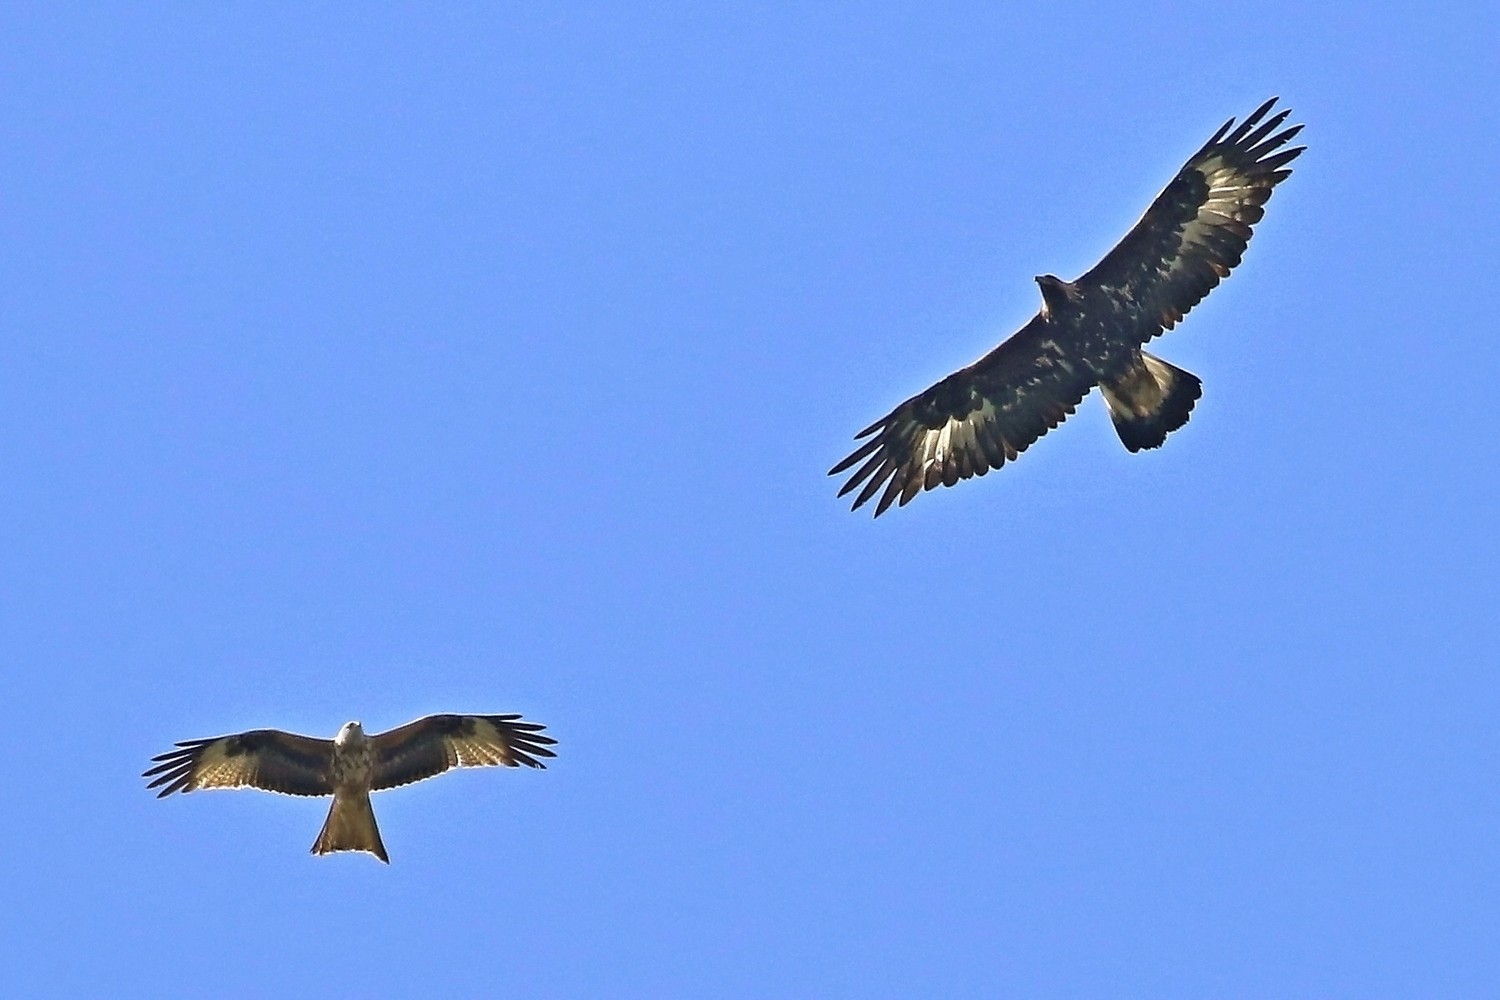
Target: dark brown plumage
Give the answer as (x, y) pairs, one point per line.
(350, 766)
(1089, 332)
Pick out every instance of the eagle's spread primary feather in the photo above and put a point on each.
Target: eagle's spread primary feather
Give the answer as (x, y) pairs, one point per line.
(1089, 332)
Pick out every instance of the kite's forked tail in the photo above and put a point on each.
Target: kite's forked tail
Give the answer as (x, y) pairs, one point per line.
(1150, 400)
(350, 826)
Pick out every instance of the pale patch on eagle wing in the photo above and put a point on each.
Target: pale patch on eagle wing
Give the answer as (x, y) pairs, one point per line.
(1217, 235)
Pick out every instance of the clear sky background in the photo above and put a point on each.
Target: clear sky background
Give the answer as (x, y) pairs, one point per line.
(490, 358)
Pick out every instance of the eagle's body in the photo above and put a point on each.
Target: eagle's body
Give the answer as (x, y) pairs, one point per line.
(1089, 332)
(350, 766)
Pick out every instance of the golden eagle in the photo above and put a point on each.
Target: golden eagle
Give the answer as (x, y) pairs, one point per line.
(1089, 332)
(350, 766)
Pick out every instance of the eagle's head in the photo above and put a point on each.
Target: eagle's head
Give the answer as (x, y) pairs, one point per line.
(352, 732)
(1056, 292)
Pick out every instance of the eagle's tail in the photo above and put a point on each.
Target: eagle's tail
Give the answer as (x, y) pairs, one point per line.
(1150, 400)
(350, 826)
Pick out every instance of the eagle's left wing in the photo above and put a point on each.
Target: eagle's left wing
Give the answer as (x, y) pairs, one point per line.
(436, 743)
(1198, 227)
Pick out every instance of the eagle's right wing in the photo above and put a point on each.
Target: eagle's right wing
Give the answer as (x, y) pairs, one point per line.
(971, 422)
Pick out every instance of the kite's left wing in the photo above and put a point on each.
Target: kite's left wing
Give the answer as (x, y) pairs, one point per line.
(436, 743)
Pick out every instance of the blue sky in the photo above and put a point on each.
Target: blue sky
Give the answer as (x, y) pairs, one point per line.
(491, 358)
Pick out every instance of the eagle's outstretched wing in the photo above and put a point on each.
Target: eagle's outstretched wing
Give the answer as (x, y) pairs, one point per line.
(1196, 230)
(969, 423)
(436, 743)
(268, 759)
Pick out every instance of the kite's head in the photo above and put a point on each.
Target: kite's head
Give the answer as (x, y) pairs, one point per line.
(352, 732)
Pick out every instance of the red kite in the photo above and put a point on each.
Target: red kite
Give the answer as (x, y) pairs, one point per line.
(1089, 332)
(350, 766)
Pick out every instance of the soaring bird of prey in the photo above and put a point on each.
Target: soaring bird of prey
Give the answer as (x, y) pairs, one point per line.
(1089, 332)
(350, 766)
